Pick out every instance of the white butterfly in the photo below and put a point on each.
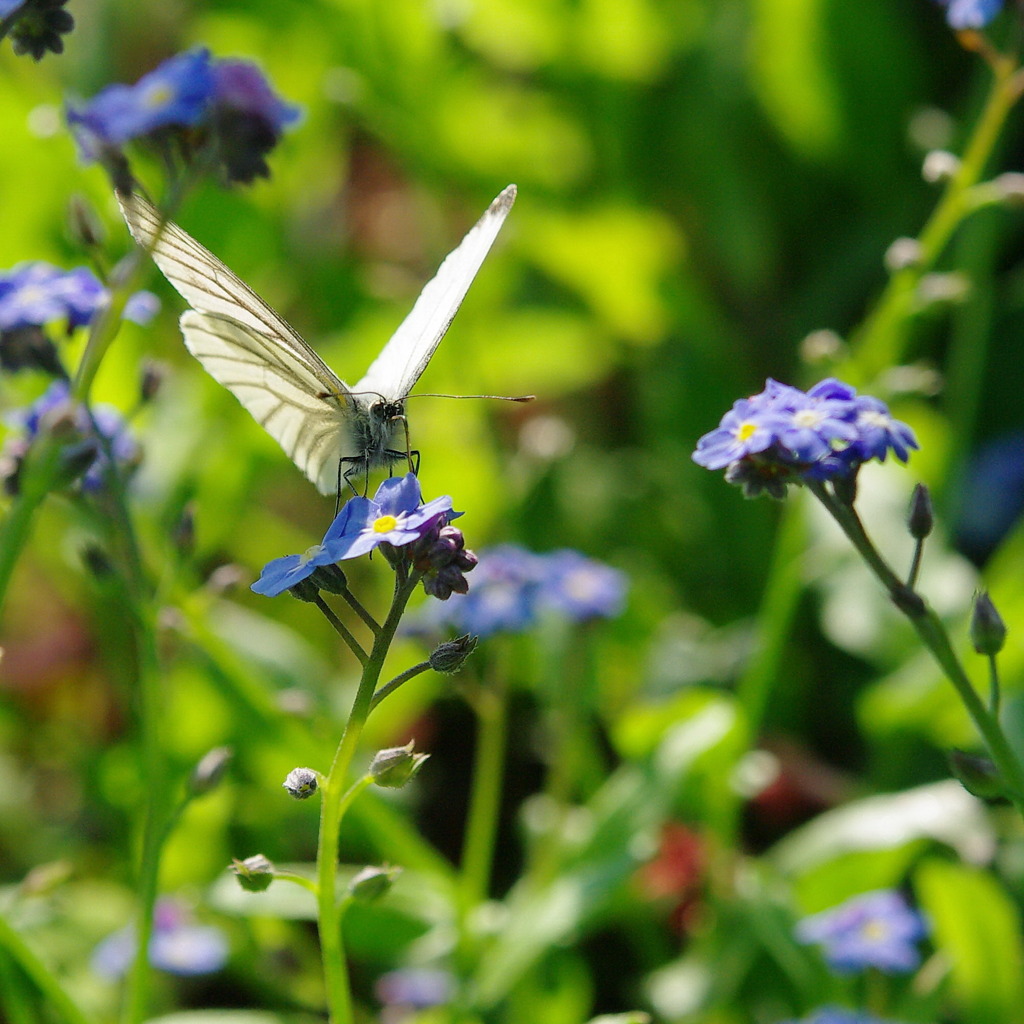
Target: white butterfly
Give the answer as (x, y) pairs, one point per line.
(323, 424)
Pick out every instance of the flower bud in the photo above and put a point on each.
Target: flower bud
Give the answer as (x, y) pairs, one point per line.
(254, 873)
(372, 882)
(1009, 188)
(152, 379)
(450, 656)
(210, 770)
(988, 631)
(305, 590)
(86, 228)
(95, 560)
(301, 783)
(920, 518)
(939, 166)
(394, 767)
(903, 253)
(329, 578)
(978, 775)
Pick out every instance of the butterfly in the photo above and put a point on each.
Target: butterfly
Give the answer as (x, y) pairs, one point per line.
(323, 424)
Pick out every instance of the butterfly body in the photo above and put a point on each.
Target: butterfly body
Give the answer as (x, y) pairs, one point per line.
(330, 430)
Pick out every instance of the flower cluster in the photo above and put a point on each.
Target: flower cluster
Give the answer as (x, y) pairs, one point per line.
(93, 437)
(394, 518)
(786, 436)
(513, 588)
(178, 946)
(36, 26)
(876, 929)
(190, 102)
(837, 1015)
(968, 14)
(33, 295)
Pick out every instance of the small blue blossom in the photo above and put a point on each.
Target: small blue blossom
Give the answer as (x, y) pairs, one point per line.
(582, 588)
(784, 436)
(838, 1015)
(174, 94)
(966, 14)
(178, 946)
(9, 7)
(35, 294)
(415, 988)
(513, 588)
(876, 929)
(395, 515)
(105, 421)
(240, 85)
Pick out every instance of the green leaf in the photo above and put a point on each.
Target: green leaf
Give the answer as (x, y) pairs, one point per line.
(978, 928)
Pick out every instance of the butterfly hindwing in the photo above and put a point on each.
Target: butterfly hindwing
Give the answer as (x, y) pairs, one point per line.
(284, 393)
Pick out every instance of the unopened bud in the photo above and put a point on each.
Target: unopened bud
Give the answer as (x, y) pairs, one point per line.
(372, 882)
(153, 375)
(903, 253)
(395, 766)
(301, 783)
(920, 518)
(450, 656)
(978, 775)
(329, 578)
(939, 166)
(1009, 187)
(988, 631)
(86, 228)
(210, 770)
(254, 873)
(95, 559)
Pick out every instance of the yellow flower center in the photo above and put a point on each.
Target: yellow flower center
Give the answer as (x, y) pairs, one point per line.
(385, 524)
(310, 553)
(158, 96)
(875, 930)
(746, 431)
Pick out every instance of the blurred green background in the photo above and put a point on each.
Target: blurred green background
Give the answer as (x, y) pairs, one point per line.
(702, 184)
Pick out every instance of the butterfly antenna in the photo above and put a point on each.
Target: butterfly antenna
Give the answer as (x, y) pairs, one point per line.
(497, 398)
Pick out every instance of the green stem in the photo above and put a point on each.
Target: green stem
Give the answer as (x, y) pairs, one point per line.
(491, 708)
(994, 695)
(934, 636)
(41, 976)
(335, 799)
(343, 631)
(881, 340)
(394, 684)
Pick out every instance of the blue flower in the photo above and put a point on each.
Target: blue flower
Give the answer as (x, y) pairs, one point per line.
(395, 515)
(965, 14)
(178, 946)
(176, 93)
(36, 294)
(106, 429)
(247, 119)
(838, 1015)
(415, 988)
(581, 588)
(784, 435)
(514, 587)
(876, 929)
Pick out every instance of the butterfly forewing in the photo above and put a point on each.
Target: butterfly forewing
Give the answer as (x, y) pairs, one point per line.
(285, 394)
(395, 371)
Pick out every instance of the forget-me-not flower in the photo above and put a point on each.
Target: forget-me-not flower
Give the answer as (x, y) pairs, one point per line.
(876, 929)
(966, 14)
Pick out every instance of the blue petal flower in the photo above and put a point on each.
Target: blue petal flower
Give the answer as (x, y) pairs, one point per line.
(178, 946)
(581, 588)
(965, 14)
(175, 93)
(393, 516)
(876, 929)
(240, 85)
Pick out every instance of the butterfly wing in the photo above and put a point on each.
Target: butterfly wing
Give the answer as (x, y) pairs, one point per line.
(253, 352)
(395, 371)
(285, 394)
